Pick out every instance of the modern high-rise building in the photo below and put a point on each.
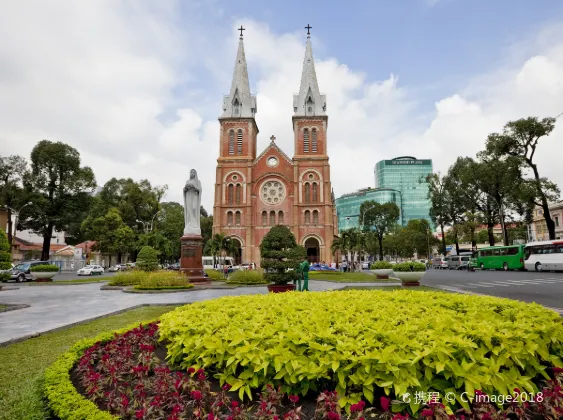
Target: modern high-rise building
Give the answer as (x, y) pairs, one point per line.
(348, 205)
(407, 174)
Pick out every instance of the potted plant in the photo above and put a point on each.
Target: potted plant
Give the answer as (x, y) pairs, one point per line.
(280, 258)
(44, 272)
(410, 273)
(382, 269)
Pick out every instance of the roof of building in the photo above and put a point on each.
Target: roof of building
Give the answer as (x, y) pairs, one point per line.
(86, 246)
(363, 191)
(309, 95)
(240, 103)
(23, 245)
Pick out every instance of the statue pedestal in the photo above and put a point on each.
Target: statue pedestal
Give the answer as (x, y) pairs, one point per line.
(191, 259)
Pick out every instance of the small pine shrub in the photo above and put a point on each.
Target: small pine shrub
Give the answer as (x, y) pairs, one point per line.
(247, 277)
(280, 252)
(147, 260)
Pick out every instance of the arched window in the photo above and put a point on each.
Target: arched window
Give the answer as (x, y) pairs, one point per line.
(237, 218)
(272, 218)
(280, 217)
(307, 217)
(236, 106)
(315, 192)
(306, 140)
(264, 218)
(315, 217)
(229, 218)
(230, 194)
(238, 193)
(239, 142)
(231, 142)
(314, 141)
(307, 192)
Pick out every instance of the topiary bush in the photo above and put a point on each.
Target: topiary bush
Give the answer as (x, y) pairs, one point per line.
(409, 266)
(147, 259)
(45, 268)
(381, 265)
(366, 343)
(280, 255)
(247, 277)
(5, 256)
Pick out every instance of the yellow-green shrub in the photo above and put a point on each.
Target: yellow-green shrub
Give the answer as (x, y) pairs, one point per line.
(365, 341)
(247, 277)
(128, 278)
(163, 278)
(215, 275)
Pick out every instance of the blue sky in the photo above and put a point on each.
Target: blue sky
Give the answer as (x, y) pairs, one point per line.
(136, 85)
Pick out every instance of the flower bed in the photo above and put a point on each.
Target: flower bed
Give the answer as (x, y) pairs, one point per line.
(149, 280)
(368, 343)
(124, 375)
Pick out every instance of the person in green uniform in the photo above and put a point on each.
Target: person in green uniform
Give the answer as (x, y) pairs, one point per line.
(305, 273)
(297, 281)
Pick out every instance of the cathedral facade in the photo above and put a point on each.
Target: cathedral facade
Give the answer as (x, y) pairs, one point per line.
(254, 191)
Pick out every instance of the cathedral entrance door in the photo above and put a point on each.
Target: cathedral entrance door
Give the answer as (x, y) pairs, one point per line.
(238, 252)
(313, 250)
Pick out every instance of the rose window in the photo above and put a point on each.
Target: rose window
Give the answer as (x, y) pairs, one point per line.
(272, 192)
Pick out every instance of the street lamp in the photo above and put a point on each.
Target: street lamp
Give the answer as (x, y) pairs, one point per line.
(145, 225)
(16, 213)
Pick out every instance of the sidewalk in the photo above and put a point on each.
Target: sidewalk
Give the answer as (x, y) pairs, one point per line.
(54, 307)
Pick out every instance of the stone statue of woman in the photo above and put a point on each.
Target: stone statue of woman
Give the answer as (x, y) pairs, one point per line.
(192, 203)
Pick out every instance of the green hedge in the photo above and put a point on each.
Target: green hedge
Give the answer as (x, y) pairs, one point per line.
(215, 275)
(147, 259)
(45, 268)
(247, 277)
(381, 265)
(409, 266)
(366, 343)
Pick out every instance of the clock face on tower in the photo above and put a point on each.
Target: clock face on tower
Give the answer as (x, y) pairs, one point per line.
(272, 192)
(272, 161)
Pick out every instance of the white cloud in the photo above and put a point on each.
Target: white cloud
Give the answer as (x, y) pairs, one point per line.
(103, 76)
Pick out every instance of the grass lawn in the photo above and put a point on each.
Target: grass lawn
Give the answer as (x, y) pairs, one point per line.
(23, 363)
(390, 288)
(3, 306)
(351, 277)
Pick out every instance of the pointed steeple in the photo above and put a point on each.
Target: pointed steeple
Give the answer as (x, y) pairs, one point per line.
(239, 103)
(309, 101)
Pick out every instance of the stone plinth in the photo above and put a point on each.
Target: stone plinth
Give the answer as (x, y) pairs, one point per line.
(191, 259)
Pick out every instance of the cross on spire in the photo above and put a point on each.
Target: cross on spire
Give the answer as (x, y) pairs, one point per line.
(273, 138)
(308, 27)
(241, 29)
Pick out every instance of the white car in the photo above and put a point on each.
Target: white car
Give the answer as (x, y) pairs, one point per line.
(90, 270)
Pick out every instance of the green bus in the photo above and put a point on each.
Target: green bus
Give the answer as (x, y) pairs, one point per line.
(500, 257)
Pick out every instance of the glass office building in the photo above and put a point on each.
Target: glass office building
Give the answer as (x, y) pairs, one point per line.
(407, 174)
(348, 205)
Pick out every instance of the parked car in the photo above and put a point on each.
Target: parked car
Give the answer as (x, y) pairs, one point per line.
(321, 267)
(439, 263)
(22, 271)
(365, 265)
(114, 268)
(458, 262)
(90, 270)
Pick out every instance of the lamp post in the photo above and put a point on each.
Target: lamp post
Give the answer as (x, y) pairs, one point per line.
(16, 214)
(145, 225)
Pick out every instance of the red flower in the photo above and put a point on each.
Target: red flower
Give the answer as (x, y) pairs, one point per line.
(557, 370)
(211, 416)
(294, 399)
(191, 370)
(196, 395)
(226, 387)
(427, 412)
(331, 415)
(384, 403)
(139, 414)
(234, 404)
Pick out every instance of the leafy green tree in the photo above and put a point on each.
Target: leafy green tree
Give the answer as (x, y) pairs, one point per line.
(206, 224)
(13, 170)
(354, 240)
(169, 224)
(147, 259)
(519, 140)
(439, 203)
(112, 236)
(5, 255)
(279, 252)
(340, 245)
(59, 190)
(379, 218)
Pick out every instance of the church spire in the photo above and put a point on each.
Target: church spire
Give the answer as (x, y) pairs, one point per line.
(239, 103)
(309, 101)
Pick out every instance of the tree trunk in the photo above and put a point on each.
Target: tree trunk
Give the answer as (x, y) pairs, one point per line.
(47, 242)
(380, 240)
(456, 242)
(544, 205)
(443, 239)
(10, 227)
(119, 257)
(503, 223)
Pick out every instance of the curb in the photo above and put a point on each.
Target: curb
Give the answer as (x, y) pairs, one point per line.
(13, 306)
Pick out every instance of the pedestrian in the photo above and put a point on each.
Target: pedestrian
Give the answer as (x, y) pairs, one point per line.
(226, 271)
(305, 274)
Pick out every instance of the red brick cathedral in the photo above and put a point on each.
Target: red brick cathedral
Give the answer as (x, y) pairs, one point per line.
(256, 191)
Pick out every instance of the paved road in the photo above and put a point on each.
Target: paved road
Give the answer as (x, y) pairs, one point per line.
(68, 276)
(544, 288)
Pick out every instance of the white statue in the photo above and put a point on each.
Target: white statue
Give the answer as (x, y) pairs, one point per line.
(192, 203)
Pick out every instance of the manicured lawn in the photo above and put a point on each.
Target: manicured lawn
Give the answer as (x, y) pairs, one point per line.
(23, 363)
(2, 307)
(351, 277)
